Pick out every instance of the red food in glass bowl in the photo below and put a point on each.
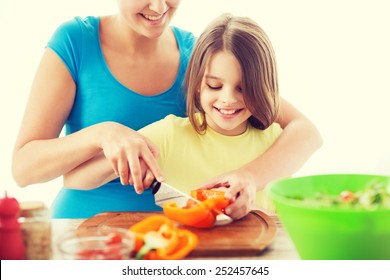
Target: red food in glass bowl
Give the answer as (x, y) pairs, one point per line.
(102, 243)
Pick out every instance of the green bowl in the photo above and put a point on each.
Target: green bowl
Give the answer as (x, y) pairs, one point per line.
(331, 232)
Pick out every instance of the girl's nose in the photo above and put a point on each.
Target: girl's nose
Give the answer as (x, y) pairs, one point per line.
(228, 97)
(158, 6)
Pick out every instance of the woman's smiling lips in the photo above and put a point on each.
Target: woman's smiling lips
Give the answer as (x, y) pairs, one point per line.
(154, 18)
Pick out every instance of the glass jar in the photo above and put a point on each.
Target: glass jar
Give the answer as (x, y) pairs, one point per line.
(36, 230)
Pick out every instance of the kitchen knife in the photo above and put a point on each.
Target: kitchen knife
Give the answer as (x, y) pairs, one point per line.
(164, 193)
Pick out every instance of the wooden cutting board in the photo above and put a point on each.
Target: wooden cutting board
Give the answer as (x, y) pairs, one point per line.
(246, 237)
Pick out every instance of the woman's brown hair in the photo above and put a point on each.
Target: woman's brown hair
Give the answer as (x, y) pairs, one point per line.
(247, 41)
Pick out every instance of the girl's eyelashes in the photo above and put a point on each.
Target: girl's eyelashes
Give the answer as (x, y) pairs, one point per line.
(220, 86)
(214, 87)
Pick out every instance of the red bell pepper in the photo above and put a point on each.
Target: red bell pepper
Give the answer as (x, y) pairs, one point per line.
(159, 238)
(200, 215)
(218, 197)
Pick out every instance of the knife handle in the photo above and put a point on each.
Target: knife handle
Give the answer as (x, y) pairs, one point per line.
(155, 186)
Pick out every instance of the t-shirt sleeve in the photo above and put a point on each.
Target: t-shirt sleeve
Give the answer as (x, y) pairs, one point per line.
(67, 42)
(270, 134)
(276, 130)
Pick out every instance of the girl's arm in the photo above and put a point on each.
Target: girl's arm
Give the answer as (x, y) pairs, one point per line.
(39, 154)
(298, 141)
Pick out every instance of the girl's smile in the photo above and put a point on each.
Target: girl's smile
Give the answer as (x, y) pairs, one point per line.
(228, 112)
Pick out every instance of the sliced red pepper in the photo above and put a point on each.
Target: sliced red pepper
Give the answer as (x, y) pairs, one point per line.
(182, 242)
(162, 240)
(199, 215)
(203, 194)
(139, 240)
(151, 223)
(218, 197)
(187, 241)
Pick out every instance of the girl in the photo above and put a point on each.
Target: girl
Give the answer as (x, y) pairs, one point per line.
(105, 77)
(232, 104)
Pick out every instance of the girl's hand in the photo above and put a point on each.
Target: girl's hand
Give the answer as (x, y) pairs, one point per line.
(132, 156)
(240, 187)
(147, 177)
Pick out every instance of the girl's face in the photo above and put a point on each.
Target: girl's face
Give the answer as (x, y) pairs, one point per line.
(148, 18)
(221, 96)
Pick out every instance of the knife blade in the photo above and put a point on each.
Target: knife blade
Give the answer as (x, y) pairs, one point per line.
(165, 193)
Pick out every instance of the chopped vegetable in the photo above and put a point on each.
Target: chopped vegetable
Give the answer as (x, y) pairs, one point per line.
(151, 223)
(218, 198)
(347, 196)
(373, 196)
(159, 238)
(186, 242)
(200, 215)
(113, 238)
(113, 251)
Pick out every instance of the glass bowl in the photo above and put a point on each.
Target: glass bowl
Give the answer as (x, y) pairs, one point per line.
(101, 243)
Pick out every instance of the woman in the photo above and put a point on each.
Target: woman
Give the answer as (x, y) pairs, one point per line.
(103, 78)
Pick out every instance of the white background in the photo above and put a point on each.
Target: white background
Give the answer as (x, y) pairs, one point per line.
(333, 58)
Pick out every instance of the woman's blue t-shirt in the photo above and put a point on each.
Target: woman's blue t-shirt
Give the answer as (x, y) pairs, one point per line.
(101, 97)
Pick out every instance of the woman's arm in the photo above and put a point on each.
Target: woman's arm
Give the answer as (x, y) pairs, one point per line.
(39, 154)
(296, 144)
(98, 171)
(298, 141)
(90, 174)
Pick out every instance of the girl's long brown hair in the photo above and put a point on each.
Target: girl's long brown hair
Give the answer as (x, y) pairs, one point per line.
(252, 48)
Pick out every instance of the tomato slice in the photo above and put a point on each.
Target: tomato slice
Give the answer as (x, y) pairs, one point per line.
(113, 238)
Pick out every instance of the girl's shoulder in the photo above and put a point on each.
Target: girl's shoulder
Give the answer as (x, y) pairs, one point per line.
(272, 132)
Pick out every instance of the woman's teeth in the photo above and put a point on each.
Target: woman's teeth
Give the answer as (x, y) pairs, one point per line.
(153, 18)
